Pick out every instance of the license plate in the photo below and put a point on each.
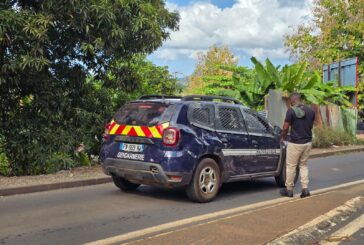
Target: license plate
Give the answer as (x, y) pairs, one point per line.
(131, 147)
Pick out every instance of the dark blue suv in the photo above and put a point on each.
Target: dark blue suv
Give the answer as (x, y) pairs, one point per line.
(195, 142)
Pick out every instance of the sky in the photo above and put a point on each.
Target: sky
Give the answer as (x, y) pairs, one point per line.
(248, 27)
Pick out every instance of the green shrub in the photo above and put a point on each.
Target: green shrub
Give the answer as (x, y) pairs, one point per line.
(4, 165)
(326, 137)
(359, 141)
(58, 161)
(4, 161)
(83, 159)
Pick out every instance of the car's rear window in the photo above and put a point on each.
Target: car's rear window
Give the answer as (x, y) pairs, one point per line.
(148, 114)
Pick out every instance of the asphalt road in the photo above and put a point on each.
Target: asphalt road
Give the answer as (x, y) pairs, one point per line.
(357, 238)
(78, 215)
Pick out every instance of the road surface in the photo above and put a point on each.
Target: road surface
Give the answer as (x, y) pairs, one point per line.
(85, 214)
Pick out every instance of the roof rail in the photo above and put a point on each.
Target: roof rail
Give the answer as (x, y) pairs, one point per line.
(156, 96)
(210, 98)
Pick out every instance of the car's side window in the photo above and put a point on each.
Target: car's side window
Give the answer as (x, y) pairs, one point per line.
(201, 115)
(254, 123)
(229, 119)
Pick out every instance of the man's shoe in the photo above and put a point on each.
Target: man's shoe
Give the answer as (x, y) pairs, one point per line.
(305, 193)
(286, 193)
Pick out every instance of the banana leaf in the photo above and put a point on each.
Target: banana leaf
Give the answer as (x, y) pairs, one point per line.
(274, 73)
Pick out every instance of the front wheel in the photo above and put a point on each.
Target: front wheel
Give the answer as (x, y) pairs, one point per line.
(124, 184)
(205, 183)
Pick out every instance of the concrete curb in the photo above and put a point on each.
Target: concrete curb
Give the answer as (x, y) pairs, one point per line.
(103, 180)
(53, 186)
(331, 153)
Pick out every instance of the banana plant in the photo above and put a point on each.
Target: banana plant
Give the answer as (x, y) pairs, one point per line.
(251, 86)
(296, 78)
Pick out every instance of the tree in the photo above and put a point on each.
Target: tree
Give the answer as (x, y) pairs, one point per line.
(142, 76)
(234, 85)
(48, 49)
(335, 33)
(209, 64)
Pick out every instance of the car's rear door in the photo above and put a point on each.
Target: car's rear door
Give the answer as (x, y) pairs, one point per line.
(267, 146)
(231, 130)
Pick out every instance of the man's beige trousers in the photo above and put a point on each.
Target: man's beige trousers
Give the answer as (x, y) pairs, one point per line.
(297, 155)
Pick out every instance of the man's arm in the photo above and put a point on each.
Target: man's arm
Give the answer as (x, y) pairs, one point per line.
(286, 125)
(285, 131)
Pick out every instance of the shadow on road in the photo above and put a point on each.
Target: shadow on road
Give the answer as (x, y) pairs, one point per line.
(228, 190)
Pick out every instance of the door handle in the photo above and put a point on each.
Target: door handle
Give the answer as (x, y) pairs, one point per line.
(254, 142)
(224, 140)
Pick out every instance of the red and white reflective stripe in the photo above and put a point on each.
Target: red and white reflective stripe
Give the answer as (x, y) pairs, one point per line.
(139, 131)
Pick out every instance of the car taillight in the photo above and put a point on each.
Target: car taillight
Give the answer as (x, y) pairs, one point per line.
(105, 135)
(171, 136)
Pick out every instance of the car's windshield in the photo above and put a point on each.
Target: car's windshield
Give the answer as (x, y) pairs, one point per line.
(144, 114)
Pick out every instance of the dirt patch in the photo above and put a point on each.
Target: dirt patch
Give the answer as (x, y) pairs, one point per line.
(81, 173)
(336, 149)
(360, 136)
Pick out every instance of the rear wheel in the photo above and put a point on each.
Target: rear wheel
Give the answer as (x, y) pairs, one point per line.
(124, 184)
(205, 183)
(281, 178)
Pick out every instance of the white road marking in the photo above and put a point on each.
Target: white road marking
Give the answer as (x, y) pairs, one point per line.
(346, 231)
(337, 187)
(209, 216)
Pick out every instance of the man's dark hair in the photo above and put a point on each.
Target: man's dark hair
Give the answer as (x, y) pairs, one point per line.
(295, 96)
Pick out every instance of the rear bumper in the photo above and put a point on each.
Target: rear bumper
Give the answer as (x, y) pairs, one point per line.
(144, 173)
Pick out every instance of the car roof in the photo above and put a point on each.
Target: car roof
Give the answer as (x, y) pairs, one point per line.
(190, 99)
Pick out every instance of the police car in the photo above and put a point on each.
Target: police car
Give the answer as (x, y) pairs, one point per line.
(195, 142)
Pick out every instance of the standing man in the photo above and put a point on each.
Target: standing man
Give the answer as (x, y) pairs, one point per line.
(300, 119)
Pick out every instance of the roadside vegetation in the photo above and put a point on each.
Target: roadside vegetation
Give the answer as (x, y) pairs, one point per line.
(65, 68)
(327, 137)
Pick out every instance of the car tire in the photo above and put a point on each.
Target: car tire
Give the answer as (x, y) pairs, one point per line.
(281, 178)
(124, 184)
(205, 182)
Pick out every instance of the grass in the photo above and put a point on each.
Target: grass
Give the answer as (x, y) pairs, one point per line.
(326, 137)
(359, 141)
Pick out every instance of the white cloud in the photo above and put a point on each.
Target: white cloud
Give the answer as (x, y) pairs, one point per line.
(173, 54)
(261, 53)
(254, 27)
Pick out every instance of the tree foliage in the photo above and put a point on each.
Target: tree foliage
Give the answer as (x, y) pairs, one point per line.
(138, 77)
(209, 64)
(61, 63)
(361, 98)
(335, 33)
(238, 85)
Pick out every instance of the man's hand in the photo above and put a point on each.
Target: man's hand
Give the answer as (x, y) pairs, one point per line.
(281, 140)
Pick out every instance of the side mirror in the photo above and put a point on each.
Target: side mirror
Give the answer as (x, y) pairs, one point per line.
(277, 130)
